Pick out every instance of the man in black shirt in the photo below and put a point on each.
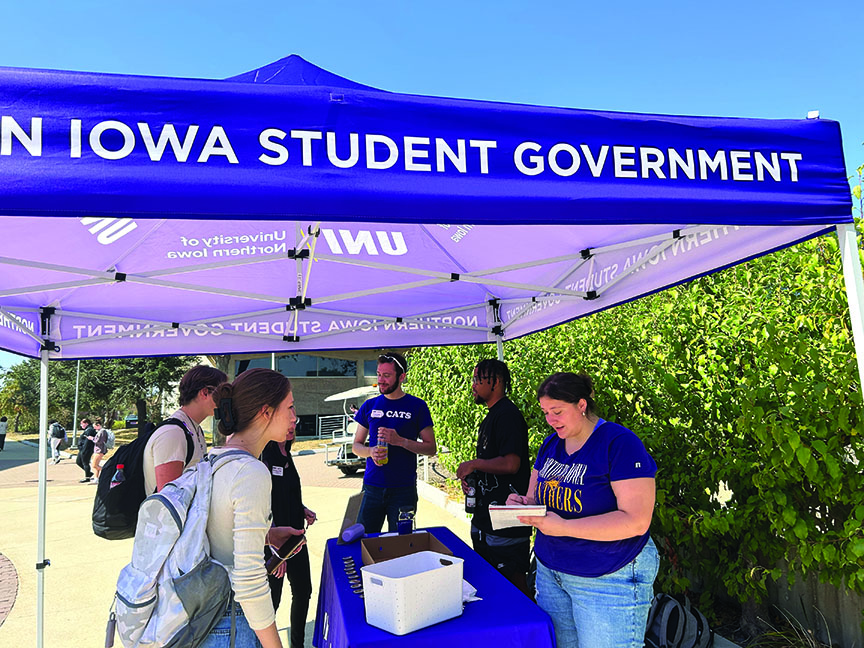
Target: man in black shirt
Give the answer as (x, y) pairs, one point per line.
(501, 467)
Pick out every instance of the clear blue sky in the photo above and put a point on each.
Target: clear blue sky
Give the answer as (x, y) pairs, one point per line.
(739, 59)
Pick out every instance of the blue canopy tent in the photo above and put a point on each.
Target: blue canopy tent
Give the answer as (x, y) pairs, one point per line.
(288, 209)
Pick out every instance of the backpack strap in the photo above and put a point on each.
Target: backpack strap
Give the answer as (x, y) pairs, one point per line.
(219, 460)
(190, 444)
(670, 606)
(233, 632)
(704, 634)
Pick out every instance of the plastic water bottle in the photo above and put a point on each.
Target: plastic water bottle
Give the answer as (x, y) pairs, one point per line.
(119, 476)
(381, 443)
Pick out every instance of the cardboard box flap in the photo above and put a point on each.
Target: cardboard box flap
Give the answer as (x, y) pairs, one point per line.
(375, 550)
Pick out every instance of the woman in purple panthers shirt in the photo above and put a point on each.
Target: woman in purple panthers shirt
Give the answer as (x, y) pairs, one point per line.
(596, 563)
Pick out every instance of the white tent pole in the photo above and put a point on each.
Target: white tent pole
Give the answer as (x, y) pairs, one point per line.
(854, 290)
(75, 410)
(500, 344)
(41, 562)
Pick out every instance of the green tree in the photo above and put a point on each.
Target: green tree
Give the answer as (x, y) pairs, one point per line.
(744, 387)
(106, 388)
(145, 382)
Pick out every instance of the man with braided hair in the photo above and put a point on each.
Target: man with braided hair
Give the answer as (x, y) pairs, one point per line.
(501, 467)
(165, 453)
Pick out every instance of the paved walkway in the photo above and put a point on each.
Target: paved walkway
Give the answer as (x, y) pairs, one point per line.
(79, 584)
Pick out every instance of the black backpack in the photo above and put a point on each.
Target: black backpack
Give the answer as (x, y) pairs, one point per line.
(676, 624)
(115, 509)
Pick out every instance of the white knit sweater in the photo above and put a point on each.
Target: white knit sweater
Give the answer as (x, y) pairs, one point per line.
(237, 528)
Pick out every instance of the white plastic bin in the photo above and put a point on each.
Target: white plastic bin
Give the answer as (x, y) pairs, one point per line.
(411, 592)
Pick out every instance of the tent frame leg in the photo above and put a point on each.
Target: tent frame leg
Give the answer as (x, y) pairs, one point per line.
(849, 253)
(41, 562)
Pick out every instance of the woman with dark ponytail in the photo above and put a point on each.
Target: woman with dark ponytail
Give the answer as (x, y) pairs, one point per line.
(289, 516)
(258, 407)
(596, 563)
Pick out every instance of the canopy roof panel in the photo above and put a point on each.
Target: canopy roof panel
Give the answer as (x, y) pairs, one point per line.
(289, 209)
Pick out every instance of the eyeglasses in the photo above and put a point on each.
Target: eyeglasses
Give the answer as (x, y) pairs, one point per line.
(389, 358)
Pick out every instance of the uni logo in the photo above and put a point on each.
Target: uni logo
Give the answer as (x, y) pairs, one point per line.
(109, 230)
(364, 241)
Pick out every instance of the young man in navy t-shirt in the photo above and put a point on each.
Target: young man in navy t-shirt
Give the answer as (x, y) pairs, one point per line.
(404, 422)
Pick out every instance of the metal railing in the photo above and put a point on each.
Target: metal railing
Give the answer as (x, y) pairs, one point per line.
(334, 425)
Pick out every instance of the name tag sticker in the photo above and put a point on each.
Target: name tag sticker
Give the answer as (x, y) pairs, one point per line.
(278, 471)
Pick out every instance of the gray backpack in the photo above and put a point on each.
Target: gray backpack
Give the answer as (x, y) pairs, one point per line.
(676, 624)
(173, 593)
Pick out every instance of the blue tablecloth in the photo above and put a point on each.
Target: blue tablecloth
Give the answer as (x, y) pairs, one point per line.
(504, 618)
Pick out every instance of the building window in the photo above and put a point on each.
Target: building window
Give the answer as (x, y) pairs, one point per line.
(370, 368)
(302, 366)
(297, 366)
(254, 363)
(336, 367)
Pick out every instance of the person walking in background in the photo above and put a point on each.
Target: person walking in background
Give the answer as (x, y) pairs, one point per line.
(4, 424)
(290, 516)
(502, 467)
(258, 407)
(399, 427)
(85, 449)
(58, 435)
(596, 562)
(100, 442)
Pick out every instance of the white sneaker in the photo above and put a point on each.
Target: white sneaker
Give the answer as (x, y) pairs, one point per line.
(94, 480)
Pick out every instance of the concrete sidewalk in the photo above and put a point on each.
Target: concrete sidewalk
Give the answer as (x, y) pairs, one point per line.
(79, 584)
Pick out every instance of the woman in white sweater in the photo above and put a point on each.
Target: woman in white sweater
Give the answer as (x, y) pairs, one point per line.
(256, 408)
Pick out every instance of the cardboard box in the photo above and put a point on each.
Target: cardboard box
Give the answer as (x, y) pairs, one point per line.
(411, 592)
(376, 550)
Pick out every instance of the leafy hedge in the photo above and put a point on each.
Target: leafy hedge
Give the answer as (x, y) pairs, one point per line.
(744, 387)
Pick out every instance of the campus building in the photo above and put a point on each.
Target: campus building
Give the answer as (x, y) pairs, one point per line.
(314, 377)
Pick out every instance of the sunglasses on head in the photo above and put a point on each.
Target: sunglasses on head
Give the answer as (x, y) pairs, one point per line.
(388, 358)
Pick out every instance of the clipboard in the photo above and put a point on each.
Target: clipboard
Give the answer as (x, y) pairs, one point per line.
(503, 517)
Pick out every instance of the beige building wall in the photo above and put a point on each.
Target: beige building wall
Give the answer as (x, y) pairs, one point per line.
(310, 392)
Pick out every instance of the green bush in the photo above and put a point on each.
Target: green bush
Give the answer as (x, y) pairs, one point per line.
(744, 387)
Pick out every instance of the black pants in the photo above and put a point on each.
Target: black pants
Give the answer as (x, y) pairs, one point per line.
(511, 561)
(83, 460)
(2, 441)
(300, 577)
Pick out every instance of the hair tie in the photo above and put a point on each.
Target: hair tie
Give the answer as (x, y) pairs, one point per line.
(225, 414)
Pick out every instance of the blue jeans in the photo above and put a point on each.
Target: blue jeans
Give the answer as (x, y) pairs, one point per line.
(605, 612)
(379, 503)
(220, 635)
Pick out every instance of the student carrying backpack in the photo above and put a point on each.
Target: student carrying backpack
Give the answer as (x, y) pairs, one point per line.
(57, 431)
(120, 491)
(172, 593)
(673, 624)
